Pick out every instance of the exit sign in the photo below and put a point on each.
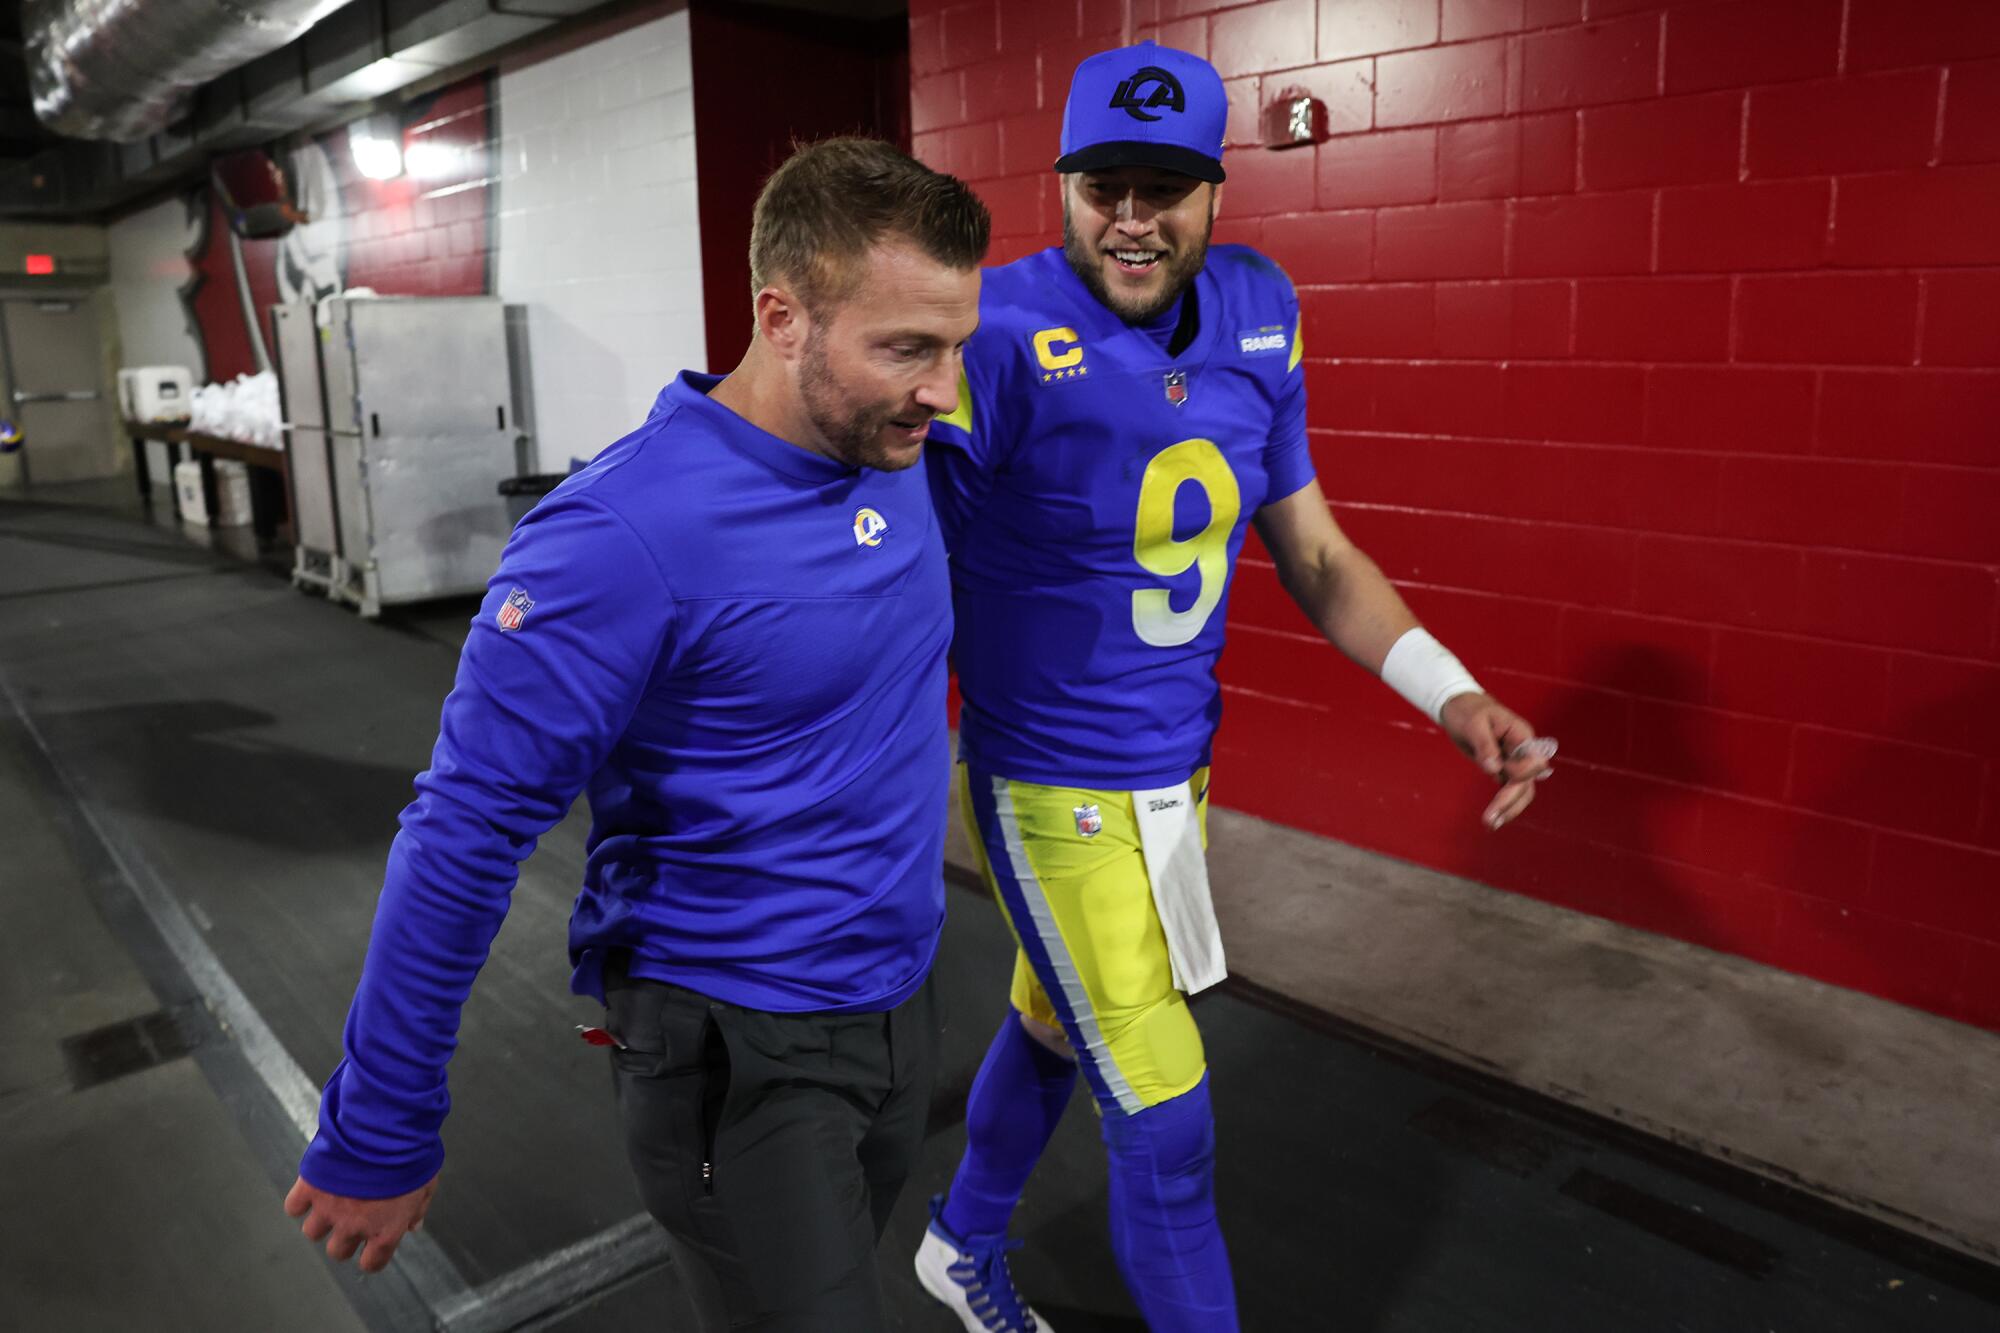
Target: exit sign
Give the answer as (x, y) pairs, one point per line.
(41, 265)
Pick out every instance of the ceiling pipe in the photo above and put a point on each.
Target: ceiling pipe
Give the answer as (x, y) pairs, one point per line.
(124, 69)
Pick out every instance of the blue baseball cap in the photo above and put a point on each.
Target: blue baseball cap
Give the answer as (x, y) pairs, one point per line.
(1145, 106)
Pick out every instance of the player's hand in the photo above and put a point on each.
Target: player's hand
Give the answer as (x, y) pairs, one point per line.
(349, 1224)
(1498, 740)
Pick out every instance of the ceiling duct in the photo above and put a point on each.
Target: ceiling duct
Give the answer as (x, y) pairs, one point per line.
(123, 69)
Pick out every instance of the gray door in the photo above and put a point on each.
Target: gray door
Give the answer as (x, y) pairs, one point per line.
(56, 370)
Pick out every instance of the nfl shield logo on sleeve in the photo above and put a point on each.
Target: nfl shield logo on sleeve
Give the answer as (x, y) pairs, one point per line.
(1089, 823)
(515, 609)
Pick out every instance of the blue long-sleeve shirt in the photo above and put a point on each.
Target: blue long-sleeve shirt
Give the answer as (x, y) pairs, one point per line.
(737, 647)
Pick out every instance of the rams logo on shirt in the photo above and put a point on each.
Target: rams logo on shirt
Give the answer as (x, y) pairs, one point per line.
(1059, 352)
(1262, 342)
(869, 527)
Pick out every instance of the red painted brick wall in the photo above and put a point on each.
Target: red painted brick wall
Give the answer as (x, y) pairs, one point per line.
(1652, 351)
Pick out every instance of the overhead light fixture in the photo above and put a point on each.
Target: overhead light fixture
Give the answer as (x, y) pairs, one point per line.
(377, 144)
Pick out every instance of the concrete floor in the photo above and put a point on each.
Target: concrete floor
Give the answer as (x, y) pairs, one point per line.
(1441, 1107)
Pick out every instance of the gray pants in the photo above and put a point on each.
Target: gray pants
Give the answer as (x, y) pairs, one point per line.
(771, 1146)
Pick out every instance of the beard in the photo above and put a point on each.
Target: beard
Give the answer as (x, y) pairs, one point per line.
(1180, 270)
(852, 431)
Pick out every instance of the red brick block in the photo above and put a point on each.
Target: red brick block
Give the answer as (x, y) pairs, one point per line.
(1026, 24)
(1442, 241)
(1945, 215)
(1668, 897)
(1461, 82)
(1464, 19)
(1727, 583)
(1546, 561)
(1378, 320)
(1244, 126)
(1263, 182)
(1347, 87)
(1321, 247)
(1977, 999)
(1802, 680)
(1951, 514)
(1878, 122)
(1734, 228)
(1374, 170)
(1582, 236)
(1437, 399)
(1704, 747)
(1928, 605)
(1933, 792)
(1593, 725)
(1868, 952)
(1938, 884)
(1959, 324)
(974, 150)
(1580, 404)
(932, 148)
(1811, 502)
(1479, 161)
(1637, 655)
(1840, 319)
(1257, 598)
(1599, 62)
(1785, 848)
(1941, 416)
(1271, 35)
(1461, 476)
(1676, 141)
(1503, 320)
(1944, 702)
(1770, 41)
(1884, 34)
(936, 101)
(1340, 395)
(1493, 631)
(1972, 113)
(1190, 35)
(1016, 205)
(1724, 408)
(996, 89)
(1548, 153)
(1653, 319)
(1641, 490)
(1030, 142)
(1371, 27)
(971, 33)
(1297, 665)
(926, 43)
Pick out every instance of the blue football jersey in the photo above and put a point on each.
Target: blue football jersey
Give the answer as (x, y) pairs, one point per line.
(1094, 494)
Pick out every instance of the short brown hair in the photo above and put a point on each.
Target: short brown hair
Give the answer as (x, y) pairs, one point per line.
(831, 201)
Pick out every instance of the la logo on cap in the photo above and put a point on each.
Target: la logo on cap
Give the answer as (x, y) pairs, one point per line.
(1135, 100)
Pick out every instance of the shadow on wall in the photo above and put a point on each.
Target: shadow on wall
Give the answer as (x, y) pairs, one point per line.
(1602, 831)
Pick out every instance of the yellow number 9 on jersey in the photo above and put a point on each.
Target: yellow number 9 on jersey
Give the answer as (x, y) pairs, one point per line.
(1158, 551)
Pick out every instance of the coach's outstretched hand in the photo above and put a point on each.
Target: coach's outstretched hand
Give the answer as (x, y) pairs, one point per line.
(349, 1224)
(1496, 738)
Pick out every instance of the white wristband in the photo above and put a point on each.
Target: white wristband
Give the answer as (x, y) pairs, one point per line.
(1423, 671)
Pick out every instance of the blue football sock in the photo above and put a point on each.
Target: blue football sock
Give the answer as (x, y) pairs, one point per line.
(1016, 1101)
(1163, 1225)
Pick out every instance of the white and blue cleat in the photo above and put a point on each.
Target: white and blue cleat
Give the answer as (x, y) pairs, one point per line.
(973, 1283)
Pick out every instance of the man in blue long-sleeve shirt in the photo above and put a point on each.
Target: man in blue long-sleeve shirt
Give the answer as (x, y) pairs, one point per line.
(730, 630)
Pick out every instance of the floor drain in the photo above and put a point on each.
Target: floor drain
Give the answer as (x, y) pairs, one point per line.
(118, 1049)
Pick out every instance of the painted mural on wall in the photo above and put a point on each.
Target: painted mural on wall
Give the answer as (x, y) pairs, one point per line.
(425, 232)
